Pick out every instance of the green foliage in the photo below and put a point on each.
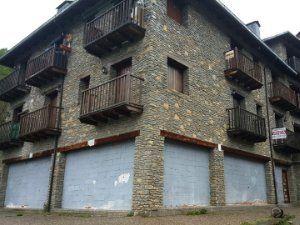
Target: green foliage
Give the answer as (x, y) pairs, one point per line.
(4, 71)
(197, 212)
(286, 220)
(130, 214)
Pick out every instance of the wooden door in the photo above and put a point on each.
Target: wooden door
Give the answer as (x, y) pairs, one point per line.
(52, 102)
(285, 185)
(121, 82)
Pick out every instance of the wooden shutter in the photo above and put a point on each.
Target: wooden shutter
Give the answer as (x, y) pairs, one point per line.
(174, 11)
(175, 79)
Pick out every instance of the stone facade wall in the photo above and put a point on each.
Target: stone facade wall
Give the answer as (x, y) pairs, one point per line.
(200, 112)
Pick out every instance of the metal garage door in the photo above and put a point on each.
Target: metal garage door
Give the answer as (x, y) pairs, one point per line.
(186, 175)
(245, 181)
(27, 184)
(100, 178)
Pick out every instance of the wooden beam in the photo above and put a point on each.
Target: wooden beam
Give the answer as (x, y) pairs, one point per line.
(189, 140)
(36, 155)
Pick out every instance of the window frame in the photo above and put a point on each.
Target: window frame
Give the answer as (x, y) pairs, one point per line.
(179, 73)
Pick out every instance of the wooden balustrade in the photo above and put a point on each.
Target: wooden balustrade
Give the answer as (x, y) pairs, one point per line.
(121, 95)
(282, 96)
(291, 143)
(246, 125)
(13, 86)
(9, 135)
(122, 23)
(243, 70)
(40, 123)
(46, 67)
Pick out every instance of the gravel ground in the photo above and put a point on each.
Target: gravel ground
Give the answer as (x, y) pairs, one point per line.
(222, 218)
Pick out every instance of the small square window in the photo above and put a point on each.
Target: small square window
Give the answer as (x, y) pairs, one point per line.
(176, 75)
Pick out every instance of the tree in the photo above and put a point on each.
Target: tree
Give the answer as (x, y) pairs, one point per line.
(4, 71)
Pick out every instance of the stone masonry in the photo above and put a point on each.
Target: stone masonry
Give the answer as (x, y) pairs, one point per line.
(199, 112)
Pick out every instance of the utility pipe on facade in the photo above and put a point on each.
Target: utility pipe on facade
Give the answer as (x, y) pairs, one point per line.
(54, 155)
(277, 211)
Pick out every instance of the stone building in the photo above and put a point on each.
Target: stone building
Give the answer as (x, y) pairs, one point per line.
(148, 105)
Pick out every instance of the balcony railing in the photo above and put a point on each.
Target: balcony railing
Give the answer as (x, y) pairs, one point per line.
(40, 123)
(246, 125)
(9, 135)
(282, 96)
(294, 62)
(122, 23)
(291, 143)
(119, 96)
(243, 70)
(13, 86)
(46, 67)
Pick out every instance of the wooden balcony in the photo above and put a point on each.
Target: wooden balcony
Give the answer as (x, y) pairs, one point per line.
(46, 67)
(246, 125)
(9, 135)
(294, 62)
(289, 145)
(118, 97)
(120, 24)
(282, 96)
(243, 70)
(40, 124)
(13, 86)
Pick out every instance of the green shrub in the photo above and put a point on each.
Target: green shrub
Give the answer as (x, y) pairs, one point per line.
(197, 212)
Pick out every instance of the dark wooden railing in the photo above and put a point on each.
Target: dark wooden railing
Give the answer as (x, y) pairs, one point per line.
(294, 62)
(239, 61)
(292, 141)
(278, 89)
(46, 118)
(8, 132)
(241, 120)
(12, 81)
(124, 12)
(125, 89)
(53, 57)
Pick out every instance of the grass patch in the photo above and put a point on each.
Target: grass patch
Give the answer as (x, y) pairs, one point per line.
(81, 215)
(130, 214)
(286, 220)
(19, 214)
(197, 212)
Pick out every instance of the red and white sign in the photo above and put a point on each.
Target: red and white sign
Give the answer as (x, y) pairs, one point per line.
(279, 133)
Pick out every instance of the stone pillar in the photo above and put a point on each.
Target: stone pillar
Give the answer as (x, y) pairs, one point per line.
(270, 183)
(296, 170)
(292, 183)
(58, 181)
(217, 178)
(148, 172)
(3, 183)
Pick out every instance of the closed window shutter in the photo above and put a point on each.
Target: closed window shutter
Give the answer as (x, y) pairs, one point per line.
(175, 79)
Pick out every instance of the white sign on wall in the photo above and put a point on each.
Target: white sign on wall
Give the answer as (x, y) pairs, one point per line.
(279, 133)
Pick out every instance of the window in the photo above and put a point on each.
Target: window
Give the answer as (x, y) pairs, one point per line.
(176, 75)
(259, 110)
(17, 112)
(174, 11)
(238, 100)
(279, 121)
(84, 84)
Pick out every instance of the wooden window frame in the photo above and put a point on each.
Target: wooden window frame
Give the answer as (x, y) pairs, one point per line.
(80, 87)
(178, 84)
(175, 11)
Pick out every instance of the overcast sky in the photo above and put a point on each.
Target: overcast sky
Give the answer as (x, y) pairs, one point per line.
(20, 18)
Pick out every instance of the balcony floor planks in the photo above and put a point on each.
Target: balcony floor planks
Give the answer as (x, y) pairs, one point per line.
(129, 32)
(15, 93)
(47, 75)
(282, 103)
(243, 79)
(114, 112)
(10, 144)
(41, 134)
(246, 135)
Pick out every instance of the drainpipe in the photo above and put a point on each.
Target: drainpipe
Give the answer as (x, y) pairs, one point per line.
(48, 206)
(271, 143)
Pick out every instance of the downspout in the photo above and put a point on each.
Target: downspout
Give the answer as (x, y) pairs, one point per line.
(50, 193)
(269, 137)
